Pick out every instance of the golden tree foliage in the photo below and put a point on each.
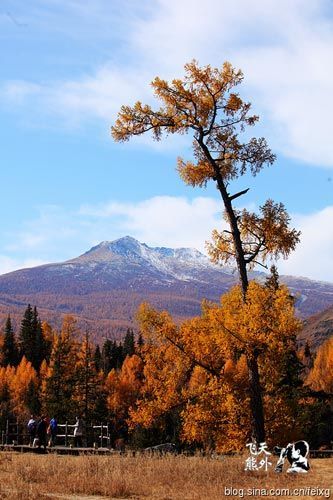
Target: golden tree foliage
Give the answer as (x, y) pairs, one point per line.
(206, 104)
(201, 368)
(263, 236)
(320, 377)
(6, 375)
(188, 104)
(122, 388)
(19, 380)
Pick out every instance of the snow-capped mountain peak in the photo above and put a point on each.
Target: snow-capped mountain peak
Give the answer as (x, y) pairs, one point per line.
(179, 263)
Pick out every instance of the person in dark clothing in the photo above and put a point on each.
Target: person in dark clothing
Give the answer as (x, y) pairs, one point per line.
(41, 432)
(32, 426)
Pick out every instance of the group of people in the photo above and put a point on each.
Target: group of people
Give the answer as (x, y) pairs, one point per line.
(43, 431)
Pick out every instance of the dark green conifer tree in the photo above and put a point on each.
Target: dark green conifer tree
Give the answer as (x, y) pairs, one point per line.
(10, 354)
(5, 405)
(129, 343)
(289, 383)
(32, 400)
(61, 377)
(308, 357)
(112, 355)
(26, 335)
(32, 343)
(98, 359)
(140, 341)
(42, 348)
(87, 382)
(272, 281)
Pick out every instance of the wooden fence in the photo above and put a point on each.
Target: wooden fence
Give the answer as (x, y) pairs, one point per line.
(97, 436)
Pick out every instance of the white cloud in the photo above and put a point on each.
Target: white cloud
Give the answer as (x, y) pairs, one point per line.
(164, 220)
(313, 256)
(283, 47)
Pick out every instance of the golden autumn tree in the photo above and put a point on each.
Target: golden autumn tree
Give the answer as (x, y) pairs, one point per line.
(122, 388)
(201, 367)
(6, 374)
(320, 377)
(206, 104)
(23, 383)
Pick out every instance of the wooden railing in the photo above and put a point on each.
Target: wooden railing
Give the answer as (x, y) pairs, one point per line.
(98, 436)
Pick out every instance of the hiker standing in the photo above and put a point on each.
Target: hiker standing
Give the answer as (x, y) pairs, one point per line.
(32, 426)
(78, 432)
(41, 432)
(52, 431)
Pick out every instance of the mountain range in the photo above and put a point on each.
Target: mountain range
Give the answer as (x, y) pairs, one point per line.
(104, 287)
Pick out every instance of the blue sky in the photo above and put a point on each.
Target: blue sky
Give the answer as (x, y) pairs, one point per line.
(66, 68)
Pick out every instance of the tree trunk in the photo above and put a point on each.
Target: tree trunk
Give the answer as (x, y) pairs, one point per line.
(256, 403)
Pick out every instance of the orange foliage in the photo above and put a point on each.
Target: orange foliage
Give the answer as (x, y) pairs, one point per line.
(200, 367)
(122, 388)
(205, 104)
(18, 381)
(320, 377)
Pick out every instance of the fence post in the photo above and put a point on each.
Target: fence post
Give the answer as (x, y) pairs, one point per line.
(66, 433)
(107, 435)
(101, 434)
(17, 432)
(7, 430)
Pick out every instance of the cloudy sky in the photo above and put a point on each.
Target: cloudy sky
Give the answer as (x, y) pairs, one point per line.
(66, 68)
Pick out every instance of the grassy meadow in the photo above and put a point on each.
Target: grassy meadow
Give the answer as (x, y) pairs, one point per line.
(31, 476)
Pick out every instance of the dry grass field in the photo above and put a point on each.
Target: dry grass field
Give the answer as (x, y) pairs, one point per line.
(30, 476)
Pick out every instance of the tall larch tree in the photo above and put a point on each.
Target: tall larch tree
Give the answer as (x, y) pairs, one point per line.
(22, 384)
(320, 377)
(122, 389)
(206, 104)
